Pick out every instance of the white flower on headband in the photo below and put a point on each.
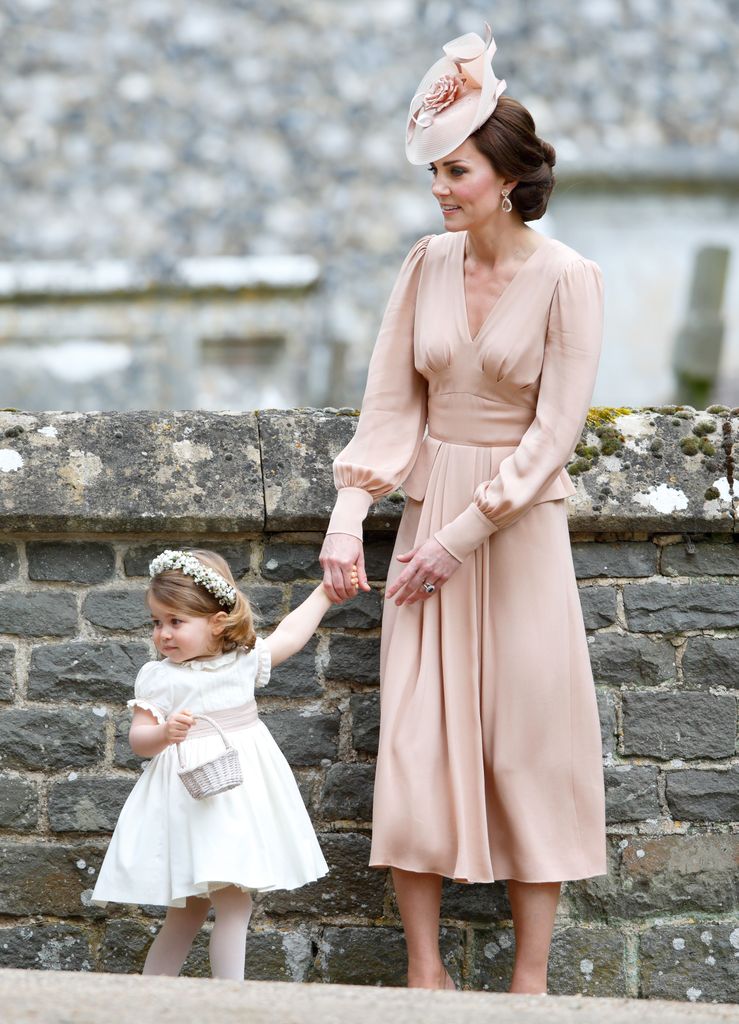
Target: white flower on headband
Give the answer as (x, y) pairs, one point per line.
(213, 582)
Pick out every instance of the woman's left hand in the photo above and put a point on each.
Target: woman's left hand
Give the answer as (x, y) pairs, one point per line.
(431, 563)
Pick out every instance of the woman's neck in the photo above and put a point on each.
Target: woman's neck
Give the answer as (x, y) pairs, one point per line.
(502, 242)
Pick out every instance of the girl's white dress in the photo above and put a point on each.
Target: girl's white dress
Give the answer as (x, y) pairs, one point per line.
(168, 846)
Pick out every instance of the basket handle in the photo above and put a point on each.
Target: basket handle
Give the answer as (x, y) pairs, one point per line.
(216, 726)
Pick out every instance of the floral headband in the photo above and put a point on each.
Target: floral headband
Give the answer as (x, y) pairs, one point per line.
(213, 582)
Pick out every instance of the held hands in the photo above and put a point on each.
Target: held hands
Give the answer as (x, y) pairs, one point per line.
(429, 564)
(342, 559)
(178, 725)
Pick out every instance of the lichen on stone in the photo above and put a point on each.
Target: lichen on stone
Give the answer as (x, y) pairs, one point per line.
(602, 414)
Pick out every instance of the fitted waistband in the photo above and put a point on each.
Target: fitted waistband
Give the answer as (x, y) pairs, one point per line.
(473, 420)
(229, 719)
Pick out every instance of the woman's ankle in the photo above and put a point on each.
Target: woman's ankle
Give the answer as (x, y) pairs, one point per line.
(529, 981)
(427, 974)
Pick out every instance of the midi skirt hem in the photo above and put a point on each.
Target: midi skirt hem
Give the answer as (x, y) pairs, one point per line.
(514, 876)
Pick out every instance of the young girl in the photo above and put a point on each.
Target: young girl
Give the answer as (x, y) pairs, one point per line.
(169, 849)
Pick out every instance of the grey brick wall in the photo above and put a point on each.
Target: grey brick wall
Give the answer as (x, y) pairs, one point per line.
(662, 610)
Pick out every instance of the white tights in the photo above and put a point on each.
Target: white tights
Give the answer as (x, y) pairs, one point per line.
(169, 949)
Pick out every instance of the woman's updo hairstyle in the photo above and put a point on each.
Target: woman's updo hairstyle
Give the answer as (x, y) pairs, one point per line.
(176, 590)
(508, 139)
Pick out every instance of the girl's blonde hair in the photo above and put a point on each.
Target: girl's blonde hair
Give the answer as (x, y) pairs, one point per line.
(175, 589)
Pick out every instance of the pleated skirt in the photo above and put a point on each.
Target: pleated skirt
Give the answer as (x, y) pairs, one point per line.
(490, 757)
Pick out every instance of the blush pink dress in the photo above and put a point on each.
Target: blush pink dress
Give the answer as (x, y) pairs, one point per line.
(490, 761)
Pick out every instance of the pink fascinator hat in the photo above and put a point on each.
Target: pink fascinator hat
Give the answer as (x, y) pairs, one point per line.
(456, 95)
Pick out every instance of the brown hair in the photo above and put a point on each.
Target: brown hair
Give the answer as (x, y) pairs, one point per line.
(508, 139)
(177, 590)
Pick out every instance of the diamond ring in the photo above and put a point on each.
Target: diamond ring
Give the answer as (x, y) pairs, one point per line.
(428, 587)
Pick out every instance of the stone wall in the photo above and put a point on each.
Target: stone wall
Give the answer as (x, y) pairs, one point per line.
(221, 333)
(159, 130)
(87, 499)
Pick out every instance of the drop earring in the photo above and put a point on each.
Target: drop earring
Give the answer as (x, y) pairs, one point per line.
(506, 205)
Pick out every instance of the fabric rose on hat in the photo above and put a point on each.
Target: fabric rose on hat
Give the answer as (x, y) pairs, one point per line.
(442, 93)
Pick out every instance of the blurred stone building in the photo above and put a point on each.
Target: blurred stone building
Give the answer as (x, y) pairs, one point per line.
(204, 204)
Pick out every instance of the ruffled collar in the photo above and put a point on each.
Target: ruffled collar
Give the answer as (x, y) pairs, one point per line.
(211, 664)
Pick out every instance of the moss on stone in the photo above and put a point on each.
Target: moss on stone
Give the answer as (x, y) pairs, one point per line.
(718, 410)
(611, 446)
(579, 466)
(704, 427)
(689, 446)
(712, 493)
(587, 451)
(706, 447)
(656, 446)
(611, 441)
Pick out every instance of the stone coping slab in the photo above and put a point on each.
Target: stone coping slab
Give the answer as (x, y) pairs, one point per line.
(56, 997)
(646, 469)
(60, 279)
(666, 470)
(298, 448)
(130, 472)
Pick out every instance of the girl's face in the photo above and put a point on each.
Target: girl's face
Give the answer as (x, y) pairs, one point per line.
(467, 188)
(182, 636)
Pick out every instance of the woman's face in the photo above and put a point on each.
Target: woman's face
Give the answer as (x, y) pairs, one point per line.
(467, 188)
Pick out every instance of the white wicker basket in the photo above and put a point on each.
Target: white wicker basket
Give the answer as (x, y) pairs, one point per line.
(221, 773)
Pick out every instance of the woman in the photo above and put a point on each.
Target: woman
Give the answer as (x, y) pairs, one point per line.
(489, 763)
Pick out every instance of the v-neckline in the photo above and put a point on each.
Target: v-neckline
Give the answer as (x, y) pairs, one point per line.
(465, 316)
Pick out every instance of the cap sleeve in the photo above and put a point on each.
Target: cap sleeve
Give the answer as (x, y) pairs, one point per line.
(151, 692)
(264, 663)
(393, 417)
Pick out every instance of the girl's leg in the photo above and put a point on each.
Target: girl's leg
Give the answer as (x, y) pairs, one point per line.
(534, 905)
(169, 949)
(419, 900)
(228, 938)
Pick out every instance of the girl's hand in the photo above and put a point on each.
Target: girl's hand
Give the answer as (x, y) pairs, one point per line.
(339, 554)
(431, 563)
(178, 725)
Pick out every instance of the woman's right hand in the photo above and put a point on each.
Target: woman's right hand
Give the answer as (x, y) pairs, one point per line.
(178, 725)
(339, 553)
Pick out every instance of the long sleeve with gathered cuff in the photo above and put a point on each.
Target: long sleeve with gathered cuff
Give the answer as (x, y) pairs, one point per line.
(393, 418)
(571, 354)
